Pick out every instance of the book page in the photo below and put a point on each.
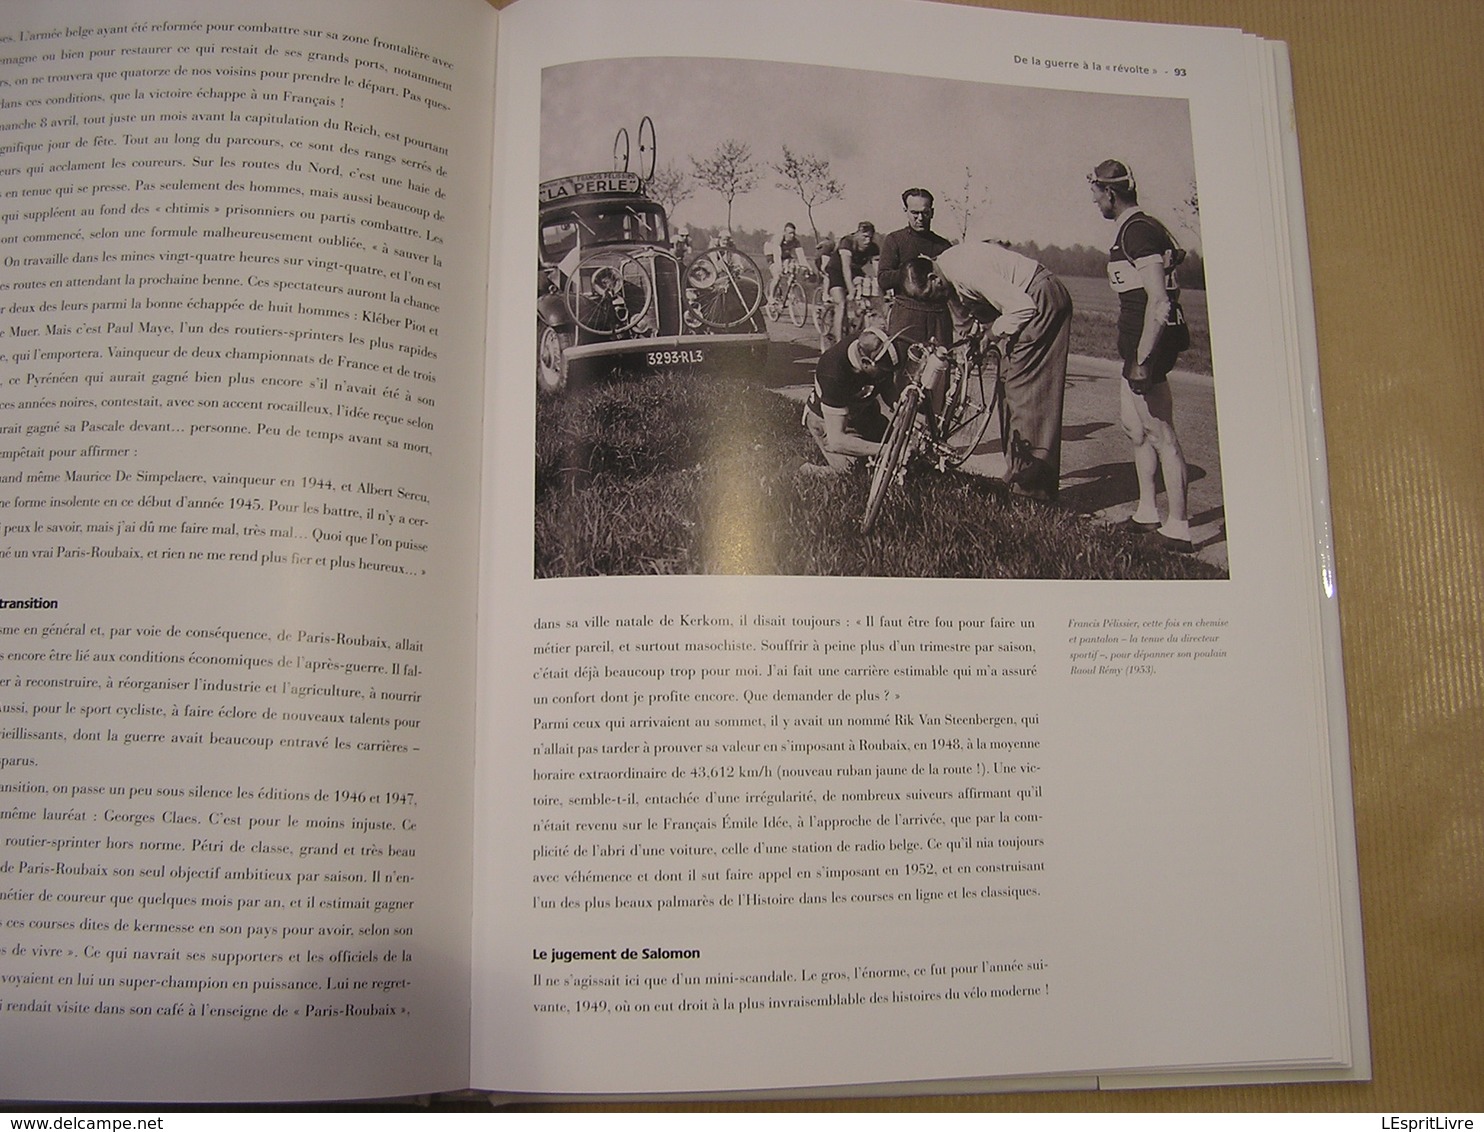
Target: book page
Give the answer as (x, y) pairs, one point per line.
(1000, 788)
(242, 308)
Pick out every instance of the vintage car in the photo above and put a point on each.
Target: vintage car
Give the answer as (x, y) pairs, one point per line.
(611, 291)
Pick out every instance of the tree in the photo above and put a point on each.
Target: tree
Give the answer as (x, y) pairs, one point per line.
(729, 170)
(670, 185)
(1191, 273)
(1188, 211)
(809, 177)
(966, 203)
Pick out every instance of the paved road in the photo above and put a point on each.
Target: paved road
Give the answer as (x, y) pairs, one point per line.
(1097, 472)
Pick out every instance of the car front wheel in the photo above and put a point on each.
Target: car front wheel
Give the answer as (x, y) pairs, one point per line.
(551, 359)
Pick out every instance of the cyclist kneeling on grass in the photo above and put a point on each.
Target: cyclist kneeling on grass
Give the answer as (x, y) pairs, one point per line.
(844, 413)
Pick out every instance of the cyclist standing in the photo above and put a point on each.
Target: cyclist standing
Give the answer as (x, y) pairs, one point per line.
(1151, 334)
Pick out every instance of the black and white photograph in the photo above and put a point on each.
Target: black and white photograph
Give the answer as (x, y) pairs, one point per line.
(869, 324)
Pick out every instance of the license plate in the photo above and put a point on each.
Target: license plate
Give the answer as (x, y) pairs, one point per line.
(675, 357)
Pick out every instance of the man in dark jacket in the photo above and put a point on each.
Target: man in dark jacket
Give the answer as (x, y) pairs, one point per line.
(915, 319)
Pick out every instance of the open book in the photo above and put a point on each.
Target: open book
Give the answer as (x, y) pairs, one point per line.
(346, 750)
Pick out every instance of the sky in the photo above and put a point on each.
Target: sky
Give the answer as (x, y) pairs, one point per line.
(1027, 150)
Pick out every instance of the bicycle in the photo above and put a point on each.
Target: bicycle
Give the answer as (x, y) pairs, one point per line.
(857, 314)
(723, 289)
(789, 295)
(947, 437)
(822, 308)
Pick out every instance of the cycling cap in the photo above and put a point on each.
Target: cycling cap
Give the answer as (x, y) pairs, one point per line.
(1113, 174)
(874, 349)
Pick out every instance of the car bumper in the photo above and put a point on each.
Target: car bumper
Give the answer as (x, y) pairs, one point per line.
(677, 351)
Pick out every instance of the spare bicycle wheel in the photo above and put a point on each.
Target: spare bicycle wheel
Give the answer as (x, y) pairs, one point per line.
(725, 288)
(609, 294)
(893, 456)
(646, 147)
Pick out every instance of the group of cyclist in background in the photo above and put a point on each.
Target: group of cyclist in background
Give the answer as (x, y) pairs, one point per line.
(846, 267)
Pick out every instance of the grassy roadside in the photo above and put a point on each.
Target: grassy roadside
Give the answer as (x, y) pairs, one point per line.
(677, 474)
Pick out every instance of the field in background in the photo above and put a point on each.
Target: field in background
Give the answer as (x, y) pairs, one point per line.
(1095, 323)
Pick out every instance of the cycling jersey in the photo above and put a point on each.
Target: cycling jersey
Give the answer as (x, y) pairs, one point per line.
(1139, 239)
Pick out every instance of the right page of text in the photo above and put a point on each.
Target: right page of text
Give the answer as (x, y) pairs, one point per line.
(1014, 758)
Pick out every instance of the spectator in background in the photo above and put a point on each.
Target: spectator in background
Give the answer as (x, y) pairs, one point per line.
(917, 320)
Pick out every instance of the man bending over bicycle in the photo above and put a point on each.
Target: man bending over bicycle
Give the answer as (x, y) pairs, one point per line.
(1029, 310)
(844, 414)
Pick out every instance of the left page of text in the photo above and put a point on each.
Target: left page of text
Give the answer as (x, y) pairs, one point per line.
(240, 371)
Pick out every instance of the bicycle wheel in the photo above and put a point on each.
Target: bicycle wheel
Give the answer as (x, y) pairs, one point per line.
(972, 400)
(798, 304)
(824, 318)
(725, 288)
(609, 293)
(893, 455)
(850, 325)
(647, 151)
